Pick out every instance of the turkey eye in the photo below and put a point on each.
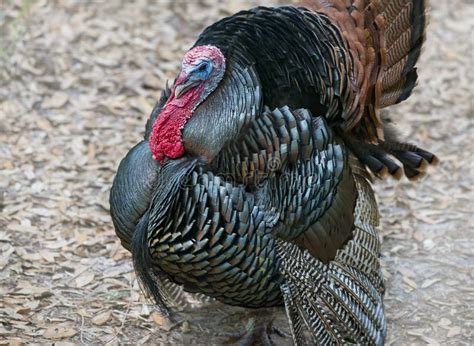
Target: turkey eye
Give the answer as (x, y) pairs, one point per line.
(202, 68)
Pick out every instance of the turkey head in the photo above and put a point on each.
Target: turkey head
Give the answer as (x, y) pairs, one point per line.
(208, 105)
(201, 71)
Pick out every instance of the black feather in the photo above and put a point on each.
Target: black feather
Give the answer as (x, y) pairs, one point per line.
(143, 264)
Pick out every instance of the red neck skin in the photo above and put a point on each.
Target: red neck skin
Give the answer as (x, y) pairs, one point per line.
(166, 139)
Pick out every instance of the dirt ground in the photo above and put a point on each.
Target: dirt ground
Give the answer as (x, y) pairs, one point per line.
(79, 78)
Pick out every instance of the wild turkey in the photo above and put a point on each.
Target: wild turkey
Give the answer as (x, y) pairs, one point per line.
(252, 184)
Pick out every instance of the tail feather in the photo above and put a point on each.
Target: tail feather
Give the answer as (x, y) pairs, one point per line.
(371, 278)
(392, 80)
(397, 53)
(358, 289)
(397, 36)
(387, 51)
(405, 25)
(400, 89)
(384, 39)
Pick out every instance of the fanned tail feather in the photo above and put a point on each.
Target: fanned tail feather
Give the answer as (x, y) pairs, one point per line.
(384, 58)
(404, 36)
(403, 33)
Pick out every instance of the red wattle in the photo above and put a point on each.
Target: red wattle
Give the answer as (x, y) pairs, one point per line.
(166, 138)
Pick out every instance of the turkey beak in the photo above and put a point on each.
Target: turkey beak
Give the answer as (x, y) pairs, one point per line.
(184, 86)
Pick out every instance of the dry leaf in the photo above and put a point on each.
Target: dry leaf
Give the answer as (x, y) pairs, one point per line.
(145, 311)
(443, 322)
(15, 342)
(29, 306)
(144, 340)
(102, 318)
(410, 282)
(83, 313)
(418, 236)
(428, 283)
(454, 331)
(47, 255)
(59, 332)
(35, 291)
(161, 321)
(84, 279)
(33, 304)
(3, 262)
(57, 100)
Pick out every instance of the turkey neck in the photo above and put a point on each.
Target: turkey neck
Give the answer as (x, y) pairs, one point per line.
(219, 120)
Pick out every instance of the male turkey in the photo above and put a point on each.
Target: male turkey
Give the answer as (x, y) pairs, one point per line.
(252, 184)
